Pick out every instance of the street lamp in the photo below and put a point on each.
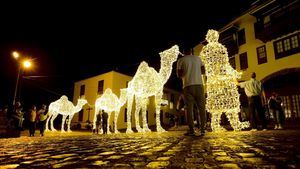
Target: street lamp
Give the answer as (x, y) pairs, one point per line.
(25, 64)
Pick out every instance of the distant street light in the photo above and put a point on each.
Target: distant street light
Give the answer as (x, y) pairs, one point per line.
(16, 55)
(25, 64)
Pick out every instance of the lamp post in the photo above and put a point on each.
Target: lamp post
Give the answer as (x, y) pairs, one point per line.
(25, 64)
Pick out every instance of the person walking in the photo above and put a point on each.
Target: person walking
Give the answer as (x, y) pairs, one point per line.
(189, 70)
(32, 119)
(276, 110)
(254, 91)
(43, 115)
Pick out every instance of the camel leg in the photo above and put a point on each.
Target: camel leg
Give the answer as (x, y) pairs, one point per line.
(51, 122)
(144, 113)
(63, 123)
(129, 108)
(69, 122)
(157, 110)
(47, 121)
(138, 105)
(116, 121)
(215, 121)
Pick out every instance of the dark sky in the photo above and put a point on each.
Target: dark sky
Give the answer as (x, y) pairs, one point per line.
(72, 41)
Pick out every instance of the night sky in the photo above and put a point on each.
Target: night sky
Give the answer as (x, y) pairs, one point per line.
(73, 41)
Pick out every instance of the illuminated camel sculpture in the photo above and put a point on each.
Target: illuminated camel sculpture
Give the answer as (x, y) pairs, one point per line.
(66, 108)
(109, 102)
(222, 92)
(148, 82)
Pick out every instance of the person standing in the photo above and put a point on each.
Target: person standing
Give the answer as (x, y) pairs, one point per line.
(189, 70)
(18, 115)
(43, 115)
(32, 118)
(276, 109)
(254, 91)
(104, 121)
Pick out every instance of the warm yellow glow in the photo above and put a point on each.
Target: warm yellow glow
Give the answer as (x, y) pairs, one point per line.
(27, 64)
(64, 107)
(148, 82)
(222, 92)
(109, 102)
(16, 55)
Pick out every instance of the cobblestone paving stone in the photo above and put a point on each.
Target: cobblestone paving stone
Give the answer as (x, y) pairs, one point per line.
(245, 149)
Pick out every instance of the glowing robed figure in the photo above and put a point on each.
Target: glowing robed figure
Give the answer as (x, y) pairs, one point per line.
(222, 92)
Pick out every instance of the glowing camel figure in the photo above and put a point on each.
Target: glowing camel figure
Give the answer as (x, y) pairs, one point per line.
(148, 82)
(66, 108)
(222, 92)
(109, 102)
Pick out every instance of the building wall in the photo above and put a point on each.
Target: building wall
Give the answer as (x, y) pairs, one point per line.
(117, 81)
(275, 68)
(262, 70)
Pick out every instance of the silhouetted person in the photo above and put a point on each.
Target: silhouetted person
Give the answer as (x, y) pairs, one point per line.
(254, 91)
(43, 115)
(276, 109)
(32, 120)
(104, 121)
(189, 70)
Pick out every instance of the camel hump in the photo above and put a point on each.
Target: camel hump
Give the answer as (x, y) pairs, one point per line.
(143, 67)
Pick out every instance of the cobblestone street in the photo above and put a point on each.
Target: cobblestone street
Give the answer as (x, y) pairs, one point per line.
(246, 149)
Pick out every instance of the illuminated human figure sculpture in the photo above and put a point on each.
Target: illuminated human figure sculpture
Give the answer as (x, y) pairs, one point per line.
(222, 92)
(66, 108)
(109, 102)
(148, 82)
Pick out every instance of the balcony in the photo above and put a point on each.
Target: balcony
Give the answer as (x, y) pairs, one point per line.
(229, 40)
(277, 20)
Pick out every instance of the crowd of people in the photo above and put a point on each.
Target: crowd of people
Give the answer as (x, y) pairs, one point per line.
(189, 70)
(19, 119)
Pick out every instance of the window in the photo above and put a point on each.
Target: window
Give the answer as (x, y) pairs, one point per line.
(287, 46)
(80, 115)
(232, 62)
(261, 54)
(241, 37)
(296, 106)
(243, 61)
(279, 47)
(82, 90)
(295, 43)
(125, 115)
(100, 86)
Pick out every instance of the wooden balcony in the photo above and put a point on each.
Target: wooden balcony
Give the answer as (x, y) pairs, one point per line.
(283, 19)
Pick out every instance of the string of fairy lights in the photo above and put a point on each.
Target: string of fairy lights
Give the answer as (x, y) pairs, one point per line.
(222, 92)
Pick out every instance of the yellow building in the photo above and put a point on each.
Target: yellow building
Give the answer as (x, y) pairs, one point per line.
(266, 40)
(92, 88)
